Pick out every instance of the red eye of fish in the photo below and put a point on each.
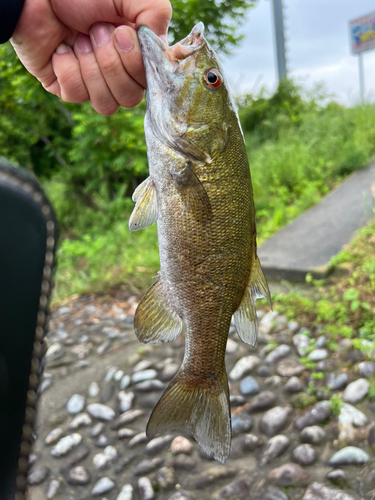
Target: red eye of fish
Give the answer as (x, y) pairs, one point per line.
(213, 79)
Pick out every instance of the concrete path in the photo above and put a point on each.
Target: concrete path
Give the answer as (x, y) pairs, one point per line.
(308, 243)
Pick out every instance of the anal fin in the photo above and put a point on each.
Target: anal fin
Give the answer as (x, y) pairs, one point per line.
(245, 317)
(145, 211)
(155, 321)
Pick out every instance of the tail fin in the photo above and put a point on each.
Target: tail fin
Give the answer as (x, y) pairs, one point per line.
(204, 410)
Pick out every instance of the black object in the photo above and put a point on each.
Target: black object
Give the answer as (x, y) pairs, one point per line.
(27, 246)
(10, 11)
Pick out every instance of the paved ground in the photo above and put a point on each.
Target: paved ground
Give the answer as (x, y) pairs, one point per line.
(308, 243)
(100, 386)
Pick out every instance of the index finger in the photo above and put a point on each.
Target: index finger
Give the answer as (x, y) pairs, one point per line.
(155, 14)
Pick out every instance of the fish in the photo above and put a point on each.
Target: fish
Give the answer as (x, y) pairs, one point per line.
(200, 194)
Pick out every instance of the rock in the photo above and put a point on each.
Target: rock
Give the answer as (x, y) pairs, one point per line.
(370, 479)
(336, 476)
(337, 382)
(353, 356)
(75, 404)
(145, 489)
(78, 476)
(262, 402)
(146, 466)
(290, 367)
(81, 420)
(126, 433)
(65, 445)
(38, 475)
(101, 412)
(272, 493)
(274, 380)
(275, 420)
(53, 488)
(169, 371)
(318, 491)
(290, 475)
(124, 462)
(302, 344)
(352, 416)
(243, 366)
(263, 371)
(318, 355)
(93, 390)
(102, 441)
(232, 346)
(145, 364)
(213, 474)
(103, 486)
(302, 400)
(250, 442)
(350, 455)
(166, 478)
(356, 391)
(344, 345)
(140, 438)
(158, 444)
(293, 326)
(294, 385)
(126, 492)
(320, 412)
(282, 351)
(54, 436)
(321, 341)
(125, 382)
(238, 489)
(249, 386)
(107, 392)
(149, 386)
(105, 459)
(183, 462)
(241, 422)
(274, 448)
(182, 495)
(97, 429)
(236, 400)
(304, 455)
(366, 369)
(267, 324)
(313, 434)
(127, 418)
(118, 375)
(371, 437)
(79, 454)
(181, 445)
(143, 375)
(125, 400)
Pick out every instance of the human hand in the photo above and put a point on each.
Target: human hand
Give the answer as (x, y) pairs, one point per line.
(88, 49)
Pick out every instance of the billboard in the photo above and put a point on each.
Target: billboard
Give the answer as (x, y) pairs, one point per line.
(362, 33)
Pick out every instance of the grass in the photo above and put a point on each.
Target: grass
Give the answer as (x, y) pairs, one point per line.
(298, 151)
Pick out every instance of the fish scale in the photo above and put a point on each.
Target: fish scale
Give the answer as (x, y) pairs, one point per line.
(199, 192)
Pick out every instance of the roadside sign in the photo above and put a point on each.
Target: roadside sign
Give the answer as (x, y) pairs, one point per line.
(362, 33)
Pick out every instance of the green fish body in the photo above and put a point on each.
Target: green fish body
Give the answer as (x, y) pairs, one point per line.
(199, 192)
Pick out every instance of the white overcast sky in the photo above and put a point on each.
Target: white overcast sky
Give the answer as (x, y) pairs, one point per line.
(317, 44)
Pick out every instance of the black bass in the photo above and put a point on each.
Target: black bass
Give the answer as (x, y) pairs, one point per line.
(199, 192)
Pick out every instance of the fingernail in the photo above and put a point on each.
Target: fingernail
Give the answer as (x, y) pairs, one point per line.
(84, 44)
(124, 39)
(62, 49)
(101, 34)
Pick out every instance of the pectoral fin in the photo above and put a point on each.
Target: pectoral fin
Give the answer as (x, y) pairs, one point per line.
(155, 321)
(193, 195)
(245, 317)
(145, 210)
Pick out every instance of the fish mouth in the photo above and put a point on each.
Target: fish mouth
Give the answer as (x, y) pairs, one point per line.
(159, 57)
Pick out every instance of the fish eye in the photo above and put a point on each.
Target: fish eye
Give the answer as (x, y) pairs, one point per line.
(213, 79)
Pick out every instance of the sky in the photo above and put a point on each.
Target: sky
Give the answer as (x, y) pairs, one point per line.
(317, 47)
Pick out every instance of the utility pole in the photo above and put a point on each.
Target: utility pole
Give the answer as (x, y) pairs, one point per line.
(361, 77)
(278, 21)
